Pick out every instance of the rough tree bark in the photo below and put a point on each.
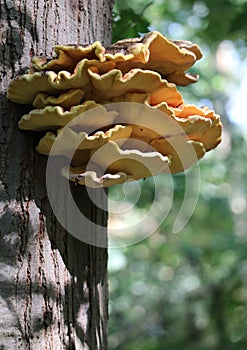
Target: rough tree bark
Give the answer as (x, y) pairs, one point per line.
(53, 288)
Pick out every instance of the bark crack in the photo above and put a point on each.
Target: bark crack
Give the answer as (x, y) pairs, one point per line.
(27, 314)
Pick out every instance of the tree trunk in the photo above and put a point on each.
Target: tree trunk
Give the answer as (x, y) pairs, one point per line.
(53, 286)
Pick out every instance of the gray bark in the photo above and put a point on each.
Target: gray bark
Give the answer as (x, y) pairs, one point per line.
(53, 287)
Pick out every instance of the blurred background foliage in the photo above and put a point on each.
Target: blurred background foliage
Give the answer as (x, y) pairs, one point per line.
(189, 290)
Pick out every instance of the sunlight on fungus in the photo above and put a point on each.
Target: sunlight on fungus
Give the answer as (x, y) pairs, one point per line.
(142, 71)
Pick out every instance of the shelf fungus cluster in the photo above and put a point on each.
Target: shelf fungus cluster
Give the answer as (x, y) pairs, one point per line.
(151, 130)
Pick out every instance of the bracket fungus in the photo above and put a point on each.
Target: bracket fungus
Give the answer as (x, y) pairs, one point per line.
(74, 95)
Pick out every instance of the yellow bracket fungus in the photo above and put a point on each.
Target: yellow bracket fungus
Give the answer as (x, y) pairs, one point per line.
(160, 134)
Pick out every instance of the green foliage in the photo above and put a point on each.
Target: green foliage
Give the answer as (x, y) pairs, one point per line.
(188, 291)
(208, 20)
(128, 24)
